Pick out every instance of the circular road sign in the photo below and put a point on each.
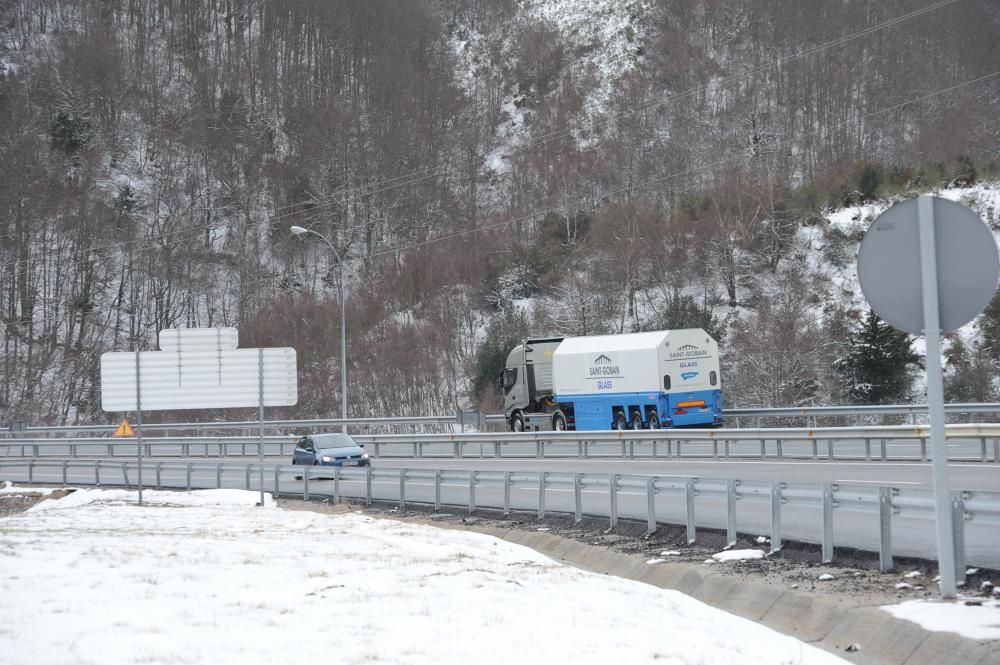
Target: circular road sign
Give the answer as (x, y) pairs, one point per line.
(968, 266)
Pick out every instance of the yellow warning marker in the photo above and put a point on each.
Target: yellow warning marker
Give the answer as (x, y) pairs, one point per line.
(124, 429)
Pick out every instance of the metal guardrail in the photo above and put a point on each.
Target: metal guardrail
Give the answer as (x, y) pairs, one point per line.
(883, 502)
(886, 443)
(808, 413)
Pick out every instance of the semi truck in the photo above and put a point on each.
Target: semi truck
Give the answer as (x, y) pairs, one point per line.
(649, 380)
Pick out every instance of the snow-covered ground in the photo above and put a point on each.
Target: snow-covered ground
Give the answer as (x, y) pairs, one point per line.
(977, 622)
(207, 577)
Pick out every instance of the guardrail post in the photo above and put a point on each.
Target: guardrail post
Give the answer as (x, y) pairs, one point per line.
(996, 451)
(437, 490)
(670, 448)
(777, 443)
(305, 483)
(246, 482)
(402, 489)
(982, 450)
(336, 484)
(868, 450)
(731, 512)
(31, 470)
(538, 449)
(885, 528)
(586, 448)
(578, 497)
(650, 505)
(458, 450)
(189, 466)
(815, 447)
(125, 473)
(415, 449)
(472, 491)
(623, 448)
(827, 554)
(506, 493)
(829, 449)
(923, 449)
(218, 476)
(110, 451)
(882, 449)
(631, 449)
(715, 449)
(72, 450)
(613, 499)
(763, 449)
(727, 448)
(775, 517)
(277, 481)
(654, 448)
(689, 501)
(159, 466)
(368, 485)
(97, 473)
(542, 475)
(496, 449)
(958, 534)
(64, 465)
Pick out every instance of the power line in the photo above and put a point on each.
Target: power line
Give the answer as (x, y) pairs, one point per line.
(430, 172)
(401, 181)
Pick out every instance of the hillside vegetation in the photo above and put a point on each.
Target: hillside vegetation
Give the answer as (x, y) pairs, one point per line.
(488, 169)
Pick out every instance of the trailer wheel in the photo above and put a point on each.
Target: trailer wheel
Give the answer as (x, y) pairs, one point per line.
(619, 421)
(636, 422)
(559, 422)
(654, 421)
(517, 423)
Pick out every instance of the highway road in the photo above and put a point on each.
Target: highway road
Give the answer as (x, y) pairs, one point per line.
(913, 531)
(971, 450)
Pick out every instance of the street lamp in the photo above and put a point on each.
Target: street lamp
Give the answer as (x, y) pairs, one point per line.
(299, 230)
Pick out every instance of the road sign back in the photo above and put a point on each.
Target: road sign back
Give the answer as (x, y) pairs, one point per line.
(124, 429)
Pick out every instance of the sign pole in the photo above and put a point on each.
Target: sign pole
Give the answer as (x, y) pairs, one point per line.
(260, 414)
(935, 397)
(138, 418)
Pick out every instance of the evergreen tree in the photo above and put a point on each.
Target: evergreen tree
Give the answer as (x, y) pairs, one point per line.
(878, 363)
(505, 331)
(682, 311)
(971, 378)
(989, 328)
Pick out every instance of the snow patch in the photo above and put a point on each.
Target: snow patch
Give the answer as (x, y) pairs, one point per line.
(738, 555)
(976, 622)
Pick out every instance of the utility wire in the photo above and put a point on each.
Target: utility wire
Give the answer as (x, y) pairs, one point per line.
(432, 172)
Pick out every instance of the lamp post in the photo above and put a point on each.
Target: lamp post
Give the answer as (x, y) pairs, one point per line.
(299, 230)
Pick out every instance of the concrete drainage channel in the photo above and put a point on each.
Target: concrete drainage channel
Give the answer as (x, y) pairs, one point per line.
(834, 622)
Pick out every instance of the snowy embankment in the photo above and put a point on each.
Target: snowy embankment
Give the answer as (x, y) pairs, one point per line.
(208, 577)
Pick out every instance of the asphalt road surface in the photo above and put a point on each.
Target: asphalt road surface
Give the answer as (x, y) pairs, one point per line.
(913, 529)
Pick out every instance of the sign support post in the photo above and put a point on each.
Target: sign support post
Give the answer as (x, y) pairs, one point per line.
(138, 417)
(935, 397)
(260, 441)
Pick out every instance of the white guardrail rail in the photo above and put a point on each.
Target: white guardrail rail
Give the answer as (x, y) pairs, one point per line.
(807, 415)
(966, 442)
(613, 496)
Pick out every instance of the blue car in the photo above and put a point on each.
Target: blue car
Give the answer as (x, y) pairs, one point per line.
(329, 450)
